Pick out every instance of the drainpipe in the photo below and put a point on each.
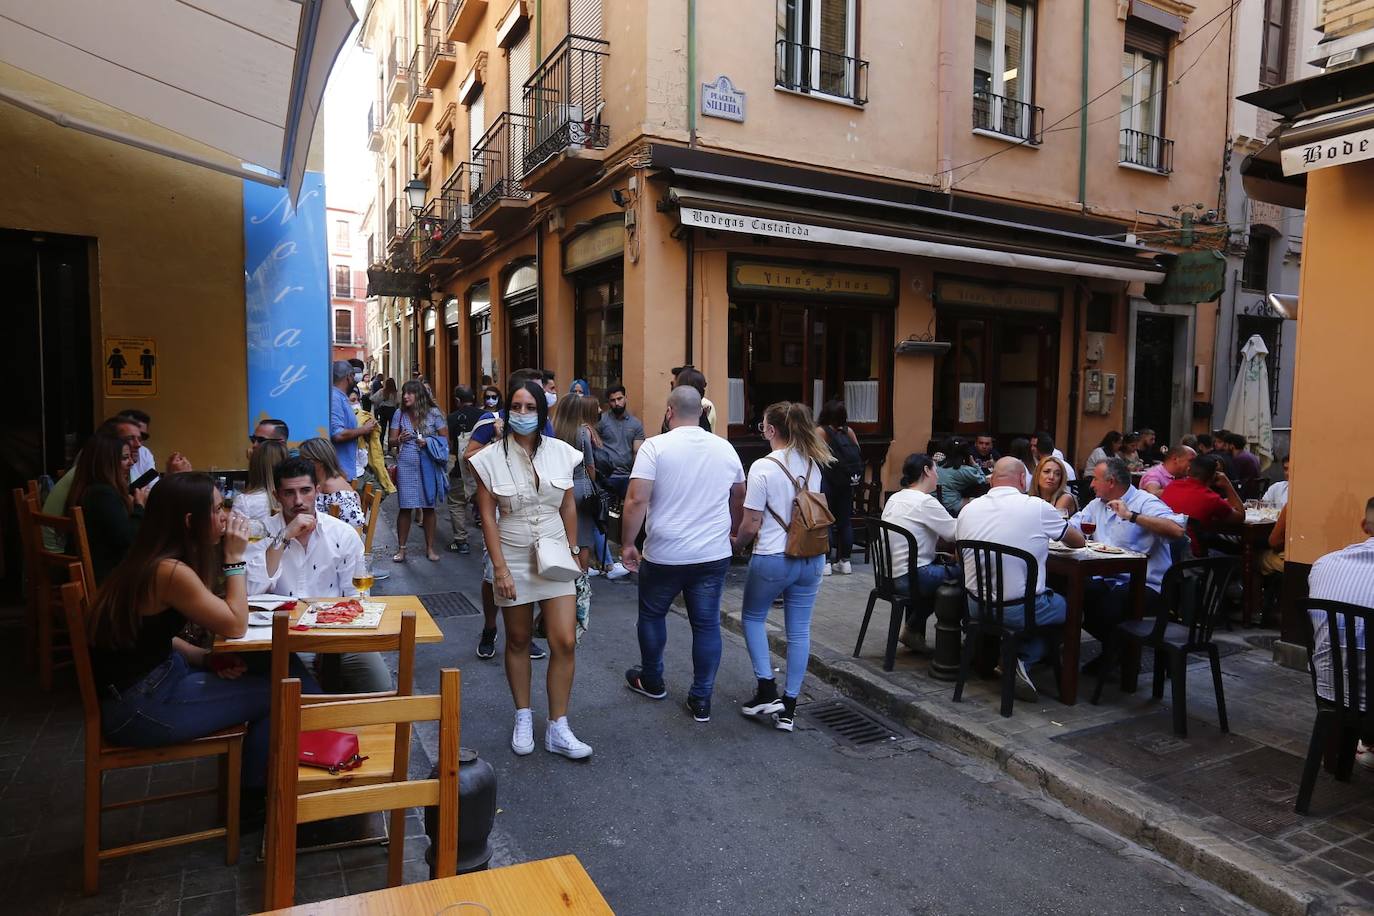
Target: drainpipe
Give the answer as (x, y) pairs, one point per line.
(691, 116)
(539, 31)
(539, 290)
(1083, 115)
(944, 137)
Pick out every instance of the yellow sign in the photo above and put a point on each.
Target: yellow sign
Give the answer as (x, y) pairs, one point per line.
(982, 295)
(130, 367)
(758, 276)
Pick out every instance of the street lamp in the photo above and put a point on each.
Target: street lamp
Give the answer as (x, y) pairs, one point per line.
(415, 193)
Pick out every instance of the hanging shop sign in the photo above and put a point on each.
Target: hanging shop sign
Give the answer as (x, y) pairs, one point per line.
(970, 293)
(1321, 154)
(809, 280)
(1193, 277)
(383, 282)
(596, 244)
(721, 99)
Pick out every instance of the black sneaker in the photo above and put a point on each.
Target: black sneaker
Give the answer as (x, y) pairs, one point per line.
(464, 549)
(699, 707)
(765, 700)
(634, 679)
(457, 547)
(783, 717)
(486, 646)
(537, 651)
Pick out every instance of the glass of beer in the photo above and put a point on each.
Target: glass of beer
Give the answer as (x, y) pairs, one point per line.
(256, 530)
(362, 577)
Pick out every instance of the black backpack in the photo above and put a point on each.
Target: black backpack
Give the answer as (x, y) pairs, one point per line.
(848, 468)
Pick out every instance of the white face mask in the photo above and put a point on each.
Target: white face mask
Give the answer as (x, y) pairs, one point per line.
(550, 397)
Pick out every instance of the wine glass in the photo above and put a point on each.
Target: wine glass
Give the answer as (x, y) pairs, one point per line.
(257, 530)
(362, 576)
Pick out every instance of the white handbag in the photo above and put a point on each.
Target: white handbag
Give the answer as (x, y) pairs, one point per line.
(553, 560)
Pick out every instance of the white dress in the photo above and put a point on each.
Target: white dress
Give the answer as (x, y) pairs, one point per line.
(529, 496)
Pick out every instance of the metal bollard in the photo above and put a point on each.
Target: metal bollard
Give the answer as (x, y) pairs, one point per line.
(949, 616)
(477, 813)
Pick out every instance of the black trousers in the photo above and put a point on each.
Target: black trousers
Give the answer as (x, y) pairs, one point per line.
(841, 503)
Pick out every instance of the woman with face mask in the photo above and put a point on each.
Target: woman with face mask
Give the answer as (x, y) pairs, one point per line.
(416, 422)
(528, 477)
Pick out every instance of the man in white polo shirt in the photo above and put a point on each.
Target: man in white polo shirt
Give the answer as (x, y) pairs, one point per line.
(691, 485)
(1006, 515)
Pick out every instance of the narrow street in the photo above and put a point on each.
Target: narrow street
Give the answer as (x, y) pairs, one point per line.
(672, 816)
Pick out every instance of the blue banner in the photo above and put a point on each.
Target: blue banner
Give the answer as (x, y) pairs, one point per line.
(286, 288)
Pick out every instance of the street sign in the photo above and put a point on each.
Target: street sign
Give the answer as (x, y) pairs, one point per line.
(130, 367)
(721, 99)
(383, 282)
(1193, 277)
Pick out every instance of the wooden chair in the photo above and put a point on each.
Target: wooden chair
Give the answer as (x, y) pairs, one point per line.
(100, 756)
(50, 573)
(291, 805)
(386, 747)
(373, 507)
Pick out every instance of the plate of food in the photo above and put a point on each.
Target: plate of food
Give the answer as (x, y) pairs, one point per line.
(1105, 548)
(349, 613)
(1060, 547)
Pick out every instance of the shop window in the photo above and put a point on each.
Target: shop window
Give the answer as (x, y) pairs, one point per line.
(1254, 274)
(817, 49)
(1274, 43)
(1003, 59)
(520, 299)
(479, 333)
(600, 330)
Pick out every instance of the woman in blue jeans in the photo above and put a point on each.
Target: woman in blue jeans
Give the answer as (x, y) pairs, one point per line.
(797, 460)
(155, 688)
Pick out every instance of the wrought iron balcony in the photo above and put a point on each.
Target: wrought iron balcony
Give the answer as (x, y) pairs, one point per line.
(1008, 117)
(419, 97)
(802, 68)
(1147, 151)
(393, 221)
(375, 139)
(451, 213)
(396, 77)
(440, 56)
(498, 163)
(463, 18)
(565, 98)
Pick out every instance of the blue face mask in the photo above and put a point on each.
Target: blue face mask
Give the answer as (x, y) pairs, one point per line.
(524, 423)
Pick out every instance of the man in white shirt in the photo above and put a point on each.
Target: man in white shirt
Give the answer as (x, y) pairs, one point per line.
(144, 460)
(1042, 444)
(312, 556)
(1278, 493)
(690, 484)
(1007, 516)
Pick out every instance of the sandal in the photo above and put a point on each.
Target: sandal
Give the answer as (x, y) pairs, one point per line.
(399, 556)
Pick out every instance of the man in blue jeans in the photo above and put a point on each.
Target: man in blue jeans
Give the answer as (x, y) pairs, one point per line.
(690, 485)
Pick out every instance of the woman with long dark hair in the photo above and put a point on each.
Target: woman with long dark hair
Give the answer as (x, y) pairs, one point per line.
(798, 458)
(155, 688)
(915, 508)
(528, 478)
(101, 489)
(420, 483)
(1107, 448)
(839, 481)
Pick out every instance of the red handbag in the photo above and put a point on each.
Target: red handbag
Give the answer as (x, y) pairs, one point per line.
(329, 750)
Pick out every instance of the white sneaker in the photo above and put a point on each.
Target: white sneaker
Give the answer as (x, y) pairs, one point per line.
(593, 572)
(843, 568)
(825, 569)
(617, 571)
(559, 739)
(522, 738)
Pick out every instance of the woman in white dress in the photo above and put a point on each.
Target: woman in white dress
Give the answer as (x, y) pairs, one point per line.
(525, 496)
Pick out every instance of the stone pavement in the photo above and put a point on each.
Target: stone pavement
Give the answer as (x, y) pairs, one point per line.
(1218, 804)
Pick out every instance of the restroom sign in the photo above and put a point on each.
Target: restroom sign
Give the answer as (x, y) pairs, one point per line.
(130, 368)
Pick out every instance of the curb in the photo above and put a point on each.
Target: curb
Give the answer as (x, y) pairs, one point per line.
(1207, 855)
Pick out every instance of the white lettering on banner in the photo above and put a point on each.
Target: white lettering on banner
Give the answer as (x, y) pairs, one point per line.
(289, 376)
(287, 337)
(283, 204)
(1321, 154)
(286, 291)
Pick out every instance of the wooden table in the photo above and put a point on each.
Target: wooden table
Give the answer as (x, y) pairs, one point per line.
(259, 639)
(1253, 532)
(1075, 568)
(559, 885)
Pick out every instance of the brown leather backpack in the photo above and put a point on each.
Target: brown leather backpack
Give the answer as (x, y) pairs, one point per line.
(808, 531)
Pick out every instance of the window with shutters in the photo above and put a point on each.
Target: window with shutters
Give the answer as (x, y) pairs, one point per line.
(341, 234)
(817, 49)
(343, 326)
(1143, 83)
(1274, 44)
(343, 282)
(476, 123)
(584, 18)
(1003, 61)
(519, 66)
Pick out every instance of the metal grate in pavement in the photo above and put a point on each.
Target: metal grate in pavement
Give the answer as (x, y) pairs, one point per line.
(848, 723)
(449, 604)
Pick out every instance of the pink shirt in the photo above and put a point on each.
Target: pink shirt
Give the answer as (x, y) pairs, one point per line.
(1157, 475)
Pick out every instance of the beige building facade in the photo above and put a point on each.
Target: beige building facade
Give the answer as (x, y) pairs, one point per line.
(903, 205)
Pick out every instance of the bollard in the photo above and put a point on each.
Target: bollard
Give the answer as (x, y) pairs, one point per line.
(949, 616)
(476, 813)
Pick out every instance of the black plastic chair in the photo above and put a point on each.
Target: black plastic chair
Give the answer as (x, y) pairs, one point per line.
(879, 536)
(1349, 689)
(1192, 591)
(986, 559)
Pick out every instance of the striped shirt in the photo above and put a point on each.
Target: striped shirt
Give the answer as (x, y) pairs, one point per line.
(1345, 575)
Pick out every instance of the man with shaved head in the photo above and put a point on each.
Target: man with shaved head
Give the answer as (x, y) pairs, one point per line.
(1007, 516)
(1173, 467)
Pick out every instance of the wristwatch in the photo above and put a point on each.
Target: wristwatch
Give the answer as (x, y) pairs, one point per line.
(1134, 516)
(575, 550)
(278, 542)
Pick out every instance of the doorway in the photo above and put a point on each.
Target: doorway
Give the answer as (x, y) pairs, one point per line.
(50, 334)
(1160, 396)
(1000, 375)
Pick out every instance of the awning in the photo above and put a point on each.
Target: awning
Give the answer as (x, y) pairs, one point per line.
(756, 217)
(245, 77)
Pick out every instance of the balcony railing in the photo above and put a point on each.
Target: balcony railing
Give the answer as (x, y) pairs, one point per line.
(450, 208)
(415, 78)
(802, 68)
(440, 52)
(396, 76)
(1147, 151)
(393, 220)
(498, 162)
(1008, 117)
(343, 290)
(375, 140)
(345, 340)
(564, 100)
